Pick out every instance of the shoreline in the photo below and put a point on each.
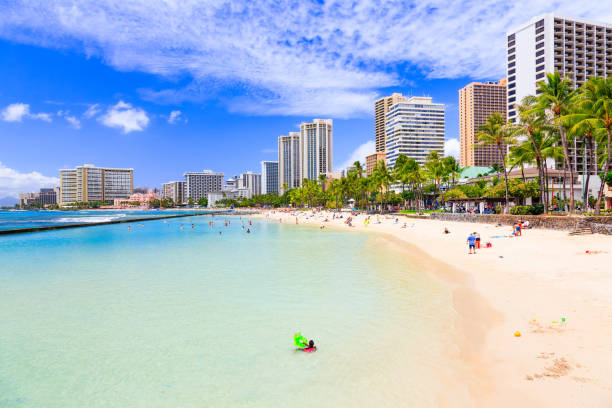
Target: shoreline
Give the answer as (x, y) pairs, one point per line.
(544, 275)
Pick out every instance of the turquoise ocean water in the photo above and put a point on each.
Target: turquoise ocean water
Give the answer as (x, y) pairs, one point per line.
(157, 316)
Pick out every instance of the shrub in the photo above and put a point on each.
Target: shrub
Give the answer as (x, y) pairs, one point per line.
(527, 209)
(520, 210)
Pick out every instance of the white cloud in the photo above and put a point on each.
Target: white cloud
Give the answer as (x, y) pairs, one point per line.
(269, 151)
(174, 117)
(359, 154)
(16, 112)
(286, 57)
(13, 182)
(92, 111)
(73, 121)
(451, 148)
(125, 117)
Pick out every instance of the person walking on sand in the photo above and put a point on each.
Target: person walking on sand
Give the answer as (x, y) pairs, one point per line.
(477, 236)
(472, 244)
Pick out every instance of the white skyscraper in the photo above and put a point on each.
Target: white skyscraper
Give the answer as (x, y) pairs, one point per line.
(576, 48)
(269, 177)
(317, 148)
(289, 161)
(414, 128)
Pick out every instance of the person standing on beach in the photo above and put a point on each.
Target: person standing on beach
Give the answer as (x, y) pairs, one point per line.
(477, 237)
(472, 243)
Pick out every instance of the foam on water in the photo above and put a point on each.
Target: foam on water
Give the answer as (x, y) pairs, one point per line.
(158, 316)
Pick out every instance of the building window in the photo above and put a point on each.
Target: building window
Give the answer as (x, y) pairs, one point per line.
(511, 65)
(540, 38)
(512, 92)
(539, 30)
(540, 53)
(539, 61)
(512, 78)
(510, 37)
(511, 57)
(512, 85)
(510, 100)
(540, 68)
(540, 23)
(539, 45)
(512, 71)
(540, 76)
(511, 50)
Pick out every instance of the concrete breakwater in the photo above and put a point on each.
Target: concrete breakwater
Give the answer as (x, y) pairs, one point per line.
(120, 221)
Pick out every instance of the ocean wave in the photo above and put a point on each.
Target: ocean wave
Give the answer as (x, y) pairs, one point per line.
(92, 219)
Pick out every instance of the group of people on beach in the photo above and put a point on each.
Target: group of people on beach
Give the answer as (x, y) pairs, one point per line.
(473, 242)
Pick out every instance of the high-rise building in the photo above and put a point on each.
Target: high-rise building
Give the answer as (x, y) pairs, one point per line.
(414, 128)
(371, 161)
(89, 183)
(317, 148)
(175, 190)
(381, 108)
(250, 182)
(68, 186)
(269, 177)
(289, 162)
(476, 102)
(199, 184)
(574, 47)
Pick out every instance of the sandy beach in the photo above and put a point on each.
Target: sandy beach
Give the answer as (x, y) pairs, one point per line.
(525, 285)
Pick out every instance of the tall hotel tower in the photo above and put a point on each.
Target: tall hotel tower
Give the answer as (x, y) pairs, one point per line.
(88, 183)
(316, 139)
(576, 48)
(476, 102)
(269, 177)
(289, 161)
(414, 128)
(381, 108)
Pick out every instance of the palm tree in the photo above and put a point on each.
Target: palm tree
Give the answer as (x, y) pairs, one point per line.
(322, 181)
(595, 103)
(555, 98)
(452, 168)
(435, 170)
(415, 177)
(520, 155)
(335, 188)
(399, 171)
(382, 179)
(494, 133)
(532, 124)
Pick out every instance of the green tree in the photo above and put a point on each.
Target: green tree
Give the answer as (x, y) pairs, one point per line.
(556, 96)
(494, 133)
(595, 112)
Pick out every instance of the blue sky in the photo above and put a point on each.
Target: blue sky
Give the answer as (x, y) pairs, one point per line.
(172, 86)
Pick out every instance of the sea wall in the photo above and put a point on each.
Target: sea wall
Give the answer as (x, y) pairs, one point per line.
(601, 225)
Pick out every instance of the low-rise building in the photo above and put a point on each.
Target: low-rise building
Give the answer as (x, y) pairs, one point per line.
(372, 159)
(46, 196)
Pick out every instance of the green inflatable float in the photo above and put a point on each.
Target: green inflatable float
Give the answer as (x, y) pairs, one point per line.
(300, 341)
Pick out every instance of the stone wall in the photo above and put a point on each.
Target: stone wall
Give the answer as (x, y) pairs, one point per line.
(601, 225)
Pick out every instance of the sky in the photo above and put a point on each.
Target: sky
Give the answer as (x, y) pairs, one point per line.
(166, 87)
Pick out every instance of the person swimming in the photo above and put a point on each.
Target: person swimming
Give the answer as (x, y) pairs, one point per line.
(248, 230)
